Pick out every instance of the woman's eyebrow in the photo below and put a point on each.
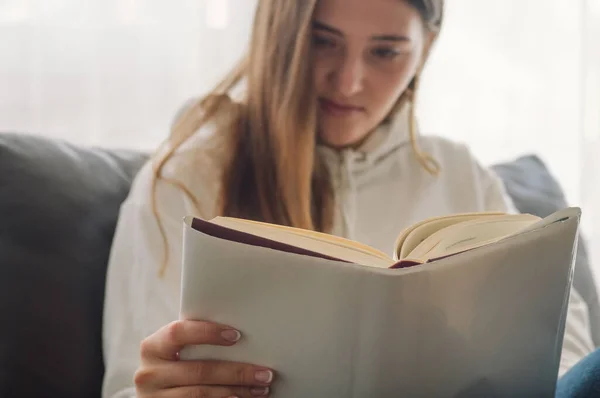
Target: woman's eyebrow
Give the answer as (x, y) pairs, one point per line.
(323, 26)
(394, 38)
(387, 37)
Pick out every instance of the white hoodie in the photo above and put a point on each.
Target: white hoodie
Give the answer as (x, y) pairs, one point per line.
(380, 189)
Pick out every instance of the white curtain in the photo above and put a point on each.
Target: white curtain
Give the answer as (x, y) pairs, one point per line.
(518, 77)
(509, 77)
(112, 72)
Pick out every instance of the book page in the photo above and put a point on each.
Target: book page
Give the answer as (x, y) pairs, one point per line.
(329, 245)
(469, 235)
(412, 236)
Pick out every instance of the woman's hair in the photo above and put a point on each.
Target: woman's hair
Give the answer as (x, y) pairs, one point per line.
(265, 143)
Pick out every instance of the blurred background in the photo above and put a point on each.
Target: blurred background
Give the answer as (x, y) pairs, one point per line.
(508, 77)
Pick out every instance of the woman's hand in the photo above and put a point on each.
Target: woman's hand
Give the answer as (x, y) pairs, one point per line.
(163, 375)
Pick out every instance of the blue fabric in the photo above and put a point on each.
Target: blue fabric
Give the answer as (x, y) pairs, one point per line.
(582, 380)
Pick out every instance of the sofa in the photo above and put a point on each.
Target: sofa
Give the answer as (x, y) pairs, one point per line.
(59, 204)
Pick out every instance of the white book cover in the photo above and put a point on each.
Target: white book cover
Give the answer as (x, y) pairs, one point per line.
(486, 322)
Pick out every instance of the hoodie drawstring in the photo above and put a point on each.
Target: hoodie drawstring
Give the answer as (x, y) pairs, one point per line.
(348, 194)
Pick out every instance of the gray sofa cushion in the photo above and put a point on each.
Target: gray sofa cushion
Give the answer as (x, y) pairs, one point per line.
(534, 190)
(58, 208)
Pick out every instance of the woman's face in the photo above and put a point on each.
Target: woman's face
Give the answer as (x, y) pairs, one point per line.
(366, 53)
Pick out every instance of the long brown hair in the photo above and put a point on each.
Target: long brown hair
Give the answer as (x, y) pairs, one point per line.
(265, 143)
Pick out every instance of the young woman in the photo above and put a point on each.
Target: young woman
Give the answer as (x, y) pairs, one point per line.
(321, 136)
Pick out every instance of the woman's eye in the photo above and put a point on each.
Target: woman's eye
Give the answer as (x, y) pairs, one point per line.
(386, 53)
(323, 42)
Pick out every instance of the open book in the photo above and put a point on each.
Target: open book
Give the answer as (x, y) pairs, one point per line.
(426, 241)
(481, 314)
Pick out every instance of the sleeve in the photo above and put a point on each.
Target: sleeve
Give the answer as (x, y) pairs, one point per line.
(577, 342)
(138, 300)
(496, 197)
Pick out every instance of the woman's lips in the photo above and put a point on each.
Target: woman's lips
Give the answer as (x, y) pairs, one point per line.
(336, 109)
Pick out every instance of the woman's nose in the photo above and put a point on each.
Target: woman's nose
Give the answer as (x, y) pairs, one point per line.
(349, 76)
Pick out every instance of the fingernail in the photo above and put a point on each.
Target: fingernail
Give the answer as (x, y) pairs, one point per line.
(264, 376)
(259, 392)
(231, 335)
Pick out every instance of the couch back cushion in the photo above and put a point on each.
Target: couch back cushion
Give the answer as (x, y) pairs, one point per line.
(58, 208)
